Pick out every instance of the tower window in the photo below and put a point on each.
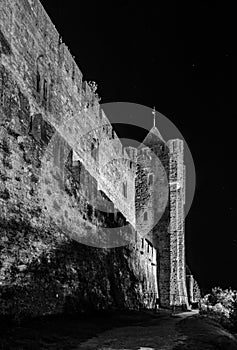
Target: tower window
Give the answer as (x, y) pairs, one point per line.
(142, 242)
(145, 216)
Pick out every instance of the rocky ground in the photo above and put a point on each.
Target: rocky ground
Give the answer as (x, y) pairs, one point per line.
(118, 331)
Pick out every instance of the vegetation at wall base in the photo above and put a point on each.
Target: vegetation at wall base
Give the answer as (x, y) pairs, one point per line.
(221, 305)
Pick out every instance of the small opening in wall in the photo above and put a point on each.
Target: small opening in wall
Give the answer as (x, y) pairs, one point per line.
(145, 216)
(45, 90)
(93, 150)
(142, 242)
(73, 73)
(94, 145)
(125, 189)
(38, 81)
(150, 179)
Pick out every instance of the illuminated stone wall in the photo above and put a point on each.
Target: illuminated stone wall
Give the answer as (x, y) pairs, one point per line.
(62, 177)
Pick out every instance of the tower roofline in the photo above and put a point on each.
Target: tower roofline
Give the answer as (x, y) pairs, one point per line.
(152, 138)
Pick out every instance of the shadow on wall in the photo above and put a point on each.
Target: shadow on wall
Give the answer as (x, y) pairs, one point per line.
(5, 47)
(67, 277)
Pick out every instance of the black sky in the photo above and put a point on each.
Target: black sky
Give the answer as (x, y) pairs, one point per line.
(182, 59)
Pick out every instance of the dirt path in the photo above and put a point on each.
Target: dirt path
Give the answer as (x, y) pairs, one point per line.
(184, 331)
(156, 333)
(118, 331)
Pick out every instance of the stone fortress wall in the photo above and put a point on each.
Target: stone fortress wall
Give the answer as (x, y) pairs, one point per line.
(65, 178)
(51, 80)
(56, 145)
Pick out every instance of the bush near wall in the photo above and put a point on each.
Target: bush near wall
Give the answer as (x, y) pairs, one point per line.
(221, 305)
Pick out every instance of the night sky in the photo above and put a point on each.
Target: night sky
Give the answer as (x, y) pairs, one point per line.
(181, 59)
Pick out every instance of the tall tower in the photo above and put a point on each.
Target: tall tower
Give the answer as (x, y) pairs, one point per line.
(177, 202)
(152, 214)
(160, 192)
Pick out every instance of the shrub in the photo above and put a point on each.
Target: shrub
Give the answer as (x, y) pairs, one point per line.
(221, 305)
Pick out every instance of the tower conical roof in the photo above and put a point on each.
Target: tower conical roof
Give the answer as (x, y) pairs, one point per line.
(152, 138)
